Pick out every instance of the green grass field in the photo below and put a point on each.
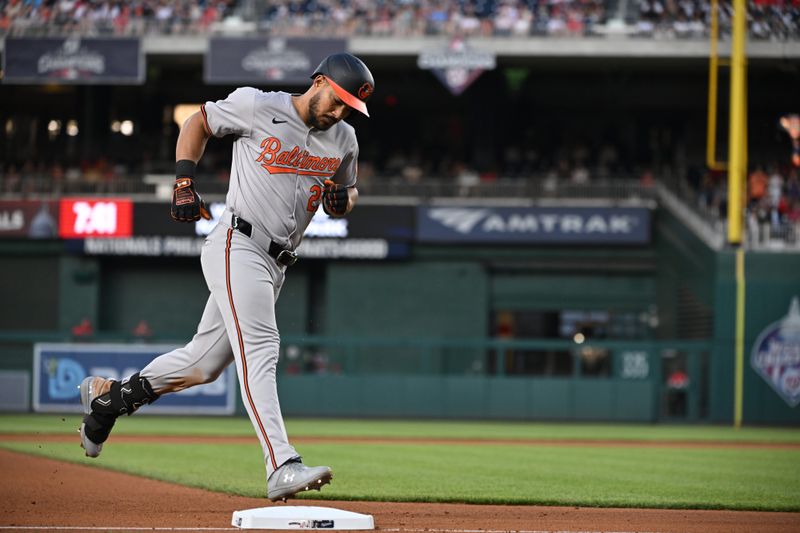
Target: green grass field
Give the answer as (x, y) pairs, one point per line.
(440, 429)
(585, 475)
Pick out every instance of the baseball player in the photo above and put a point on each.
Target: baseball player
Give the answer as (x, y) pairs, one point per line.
(292, 153)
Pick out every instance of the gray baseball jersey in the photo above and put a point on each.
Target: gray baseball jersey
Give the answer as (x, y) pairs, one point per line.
(279, 165)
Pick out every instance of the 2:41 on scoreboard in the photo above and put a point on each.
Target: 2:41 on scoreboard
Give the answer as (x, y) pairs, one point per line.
(81, 217)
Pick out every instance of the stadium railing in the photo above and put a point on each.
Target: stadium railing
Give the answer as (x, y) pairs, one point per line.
(634, 371)
(782, 236)
(523, 190)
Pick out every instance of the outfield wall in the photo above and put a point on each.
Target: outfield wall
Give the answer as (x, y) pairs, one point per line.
(697, 299)
(414, 337)
(772, 280)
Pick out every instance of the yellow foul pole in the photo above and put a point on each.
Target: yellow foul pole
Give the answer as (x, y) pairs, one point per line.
(737, 175)
(713, 90)
(737, 140)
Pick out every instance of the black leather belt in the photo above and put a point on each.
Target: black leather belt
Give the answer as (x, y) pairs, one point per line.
(281, 255)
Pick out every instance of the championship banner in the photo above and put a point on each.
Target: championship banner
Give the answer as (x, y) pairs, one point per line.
(73, 60)
(262, 61)
(457, 65)
(58, 370)
(534, 225)
(28, 219)
(776, 355)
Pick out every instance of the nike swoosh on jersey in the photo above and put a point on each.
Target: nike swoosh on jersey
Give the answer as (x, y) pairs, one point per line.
(276, 121)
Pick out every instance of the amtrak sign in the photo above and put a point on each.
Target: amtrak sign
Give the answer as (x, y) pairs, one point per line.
(776, 355)
(555, 225)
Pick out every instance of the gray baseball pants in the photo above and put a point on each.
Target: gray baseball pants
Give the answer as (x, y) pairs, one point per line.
(238, 324)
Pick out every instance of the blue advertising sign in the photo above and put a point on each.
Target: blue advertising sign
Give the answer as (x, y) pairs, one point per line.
(83, 60)
(533, 225)
(58, 370)
(776, 355)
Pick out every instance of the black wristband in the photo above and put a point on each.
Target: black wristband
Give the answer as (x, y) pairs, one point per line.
(185, 167)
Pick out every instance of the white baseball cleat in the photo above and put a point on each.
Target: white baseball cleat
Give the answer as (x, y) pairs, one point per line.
(90, 388)
(91, 449)
(293, 477)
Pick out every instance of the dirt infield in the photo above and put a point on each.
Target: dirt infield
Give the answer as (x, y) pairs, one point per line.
(42, 493)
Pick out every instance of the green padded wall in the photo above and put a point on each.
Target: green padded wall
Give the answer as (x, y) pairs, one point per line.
(292, 308)
(548, 291)
(171, 295)
(685, 277)
(771, 280)
(79, 295)
(467, 397)
(29, 292)
(408, 300)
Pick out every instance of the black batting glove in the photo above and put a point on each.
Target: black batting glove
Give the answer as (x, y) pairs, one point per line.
(334, 199)
(187, 206)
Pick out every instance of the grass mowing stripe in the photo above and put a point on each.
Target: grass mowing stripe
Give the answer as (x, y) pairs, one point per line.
(442, 429)
(604, 477)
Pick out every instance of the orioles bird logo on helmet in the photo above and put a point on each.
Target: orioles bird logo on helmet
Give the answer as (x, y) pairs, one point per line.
(364, 91)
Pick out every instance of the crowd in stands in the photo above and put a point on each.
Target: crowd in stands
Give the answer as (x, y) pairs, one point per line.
(772, 202)
(767, 19)
(31, 177)
(404, 18)
(104, 18)
(574, 164)
(398, 18)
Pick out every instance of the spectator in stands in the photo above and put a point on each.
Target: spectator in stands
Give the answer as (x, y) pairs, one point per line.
(412, 172)
(607, 161)
(775, 194)
(792, 186)
(721, 201)
(57, 177)
(650, 14)
(466, 178)
(505, 18)
(579, 174)
(12, 179)
(793, 219)
(756, 186)
(647, 179)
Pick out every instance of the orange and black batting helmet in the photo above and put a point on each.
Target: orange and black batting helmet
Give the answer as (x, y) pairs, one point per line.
(349, 78)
